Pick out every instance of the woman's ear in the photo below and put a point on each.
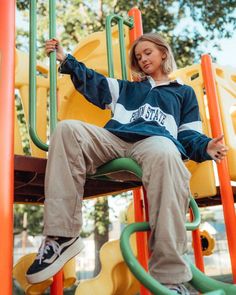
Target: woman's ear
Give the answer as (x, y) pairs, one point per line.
(164, 55)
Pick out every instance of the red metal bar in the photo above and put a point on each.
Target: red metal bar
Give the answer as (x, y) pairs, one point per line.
(197, 247)
(141, 238)
(7, 51)
(138, 27)
(146, 214)
(223, 171)
(57, 285)
(138, 202)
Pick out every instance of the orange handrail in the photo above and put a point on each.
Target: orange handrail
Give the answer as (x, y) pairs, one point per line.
(57, 285)
(222, 168)
(197, 247)
(7, 51)
(141, 238)
(138, 27)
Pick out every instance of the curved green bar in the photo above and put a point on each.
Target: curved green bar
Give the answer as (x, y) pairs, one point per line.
(138, 271)
(129, 165)
(53, 67)
(200, 281)
(32, 75)
(204, 284)
(121, 164)
(121, 22)
(197, 217)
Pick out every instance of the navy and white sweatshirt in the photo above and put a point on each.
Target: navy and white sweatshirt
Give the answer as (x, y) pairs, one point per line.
(142, 109)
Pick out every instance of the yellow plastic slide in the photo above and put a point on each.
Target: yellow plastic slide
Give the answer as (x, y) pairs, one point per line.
(226, 88)
(115, 278)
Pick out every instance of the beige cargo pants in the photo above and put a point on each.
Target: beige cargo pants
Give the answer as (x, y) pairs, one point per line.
(78, 148)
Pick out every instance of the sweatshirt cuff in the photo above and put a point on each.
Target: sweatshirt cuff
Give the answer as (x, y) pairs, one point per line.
(206, 156)
(66, 65)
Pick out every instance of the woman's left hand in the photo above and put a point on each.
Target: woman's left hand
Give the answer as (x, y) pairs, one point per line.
(216, 149)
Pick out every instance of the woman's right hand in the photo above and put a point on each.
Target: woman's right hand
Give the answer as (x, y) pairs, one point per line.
(54, 45)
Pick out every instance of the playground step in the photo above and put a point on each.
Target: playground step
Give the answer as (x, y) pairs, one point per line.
(29, 173)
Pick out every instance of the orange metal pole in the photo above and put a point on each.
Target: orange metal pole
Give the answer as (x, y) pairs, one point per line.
(146, 214)
(7, 47)
(197, 247)
(223, 171)
(57, 285)
(141, 238)
(138, 27)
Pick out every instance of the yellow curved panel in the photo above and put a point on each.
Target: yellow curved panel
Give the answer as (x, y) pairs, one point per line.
(19, 272)
(115, 278)
(202, 173)
(22, 265)
(91, 51)
(22, 84)
(226, 89)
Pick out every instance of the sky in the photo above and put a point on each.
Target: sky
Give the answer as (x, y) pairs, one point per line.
(227, 55)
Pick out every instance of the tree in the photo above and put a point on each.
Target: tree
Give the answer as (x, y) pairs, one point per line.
(188, 25)
(34, 218)
(101, 230)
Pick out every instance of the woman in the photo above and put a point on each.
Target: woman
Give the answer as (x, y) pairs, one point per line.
(156, 122)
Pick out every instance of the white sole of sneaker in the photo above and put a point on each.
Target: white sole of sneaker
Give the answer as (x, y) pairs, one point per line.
(55, 267)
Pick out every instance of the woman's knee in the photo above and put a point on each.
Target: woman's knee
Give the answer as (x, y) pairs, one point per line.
(164, 153)
(63, 132)
(64, 127)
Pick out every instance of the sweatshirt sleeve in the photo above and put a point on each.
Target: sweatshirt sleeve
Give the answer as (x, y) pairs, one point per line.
(190, 129)
(96, 88)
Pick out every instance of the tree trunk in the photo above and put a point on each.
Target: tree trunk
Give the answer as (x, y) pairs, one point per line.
(101, 231)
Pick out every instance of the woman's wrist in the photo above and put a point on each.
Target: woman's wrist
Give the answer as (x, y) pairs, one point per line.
(61, 60)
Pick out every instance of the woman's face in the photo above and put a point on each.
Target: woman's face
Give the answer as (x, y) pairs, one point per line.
(149, 58)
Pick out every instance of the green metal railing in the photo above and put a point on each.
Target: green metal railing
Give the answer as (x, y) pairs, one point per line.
(194, 224)
(53, 87)
(199, 281)
(121, 22)
(32, 74)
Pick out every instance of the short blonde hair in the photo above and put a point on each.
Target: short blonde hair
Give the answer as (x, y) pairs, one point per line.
(168, 65)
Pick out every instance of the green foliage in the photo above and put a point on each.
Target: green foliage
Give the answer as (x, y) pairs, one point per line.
(101, 216)
(207, 215)
(187, 25)
(34, 218)
(22, 125)
(75, 20)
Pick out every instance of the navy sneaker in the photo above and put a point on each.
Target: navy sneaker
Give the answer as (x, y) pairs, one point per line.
(177, 289)
(53, 253)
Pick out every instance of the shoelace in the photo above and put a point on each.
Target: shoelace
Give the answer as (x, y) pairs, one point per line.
(45, 246)
(178, 288)
(183, 290)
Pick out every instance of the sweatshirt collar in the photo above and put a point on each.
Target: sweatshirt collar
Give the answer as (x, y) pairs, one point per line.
(153, 83)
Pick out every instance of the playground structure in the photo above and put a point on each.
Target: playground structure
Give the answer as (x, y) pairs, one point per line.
(29, 171)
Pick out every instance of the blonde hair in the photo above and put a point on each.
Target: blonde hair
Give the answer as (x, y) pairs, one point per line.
(168, 64)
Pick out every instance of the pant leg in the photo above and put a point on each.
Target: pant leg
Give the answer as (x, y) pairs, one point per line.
(166, 180)
(76, 149)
